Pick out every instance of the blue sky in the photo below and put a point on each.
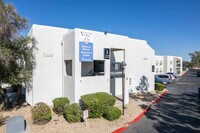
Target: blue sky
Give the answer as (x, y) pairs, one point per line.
(171, 27)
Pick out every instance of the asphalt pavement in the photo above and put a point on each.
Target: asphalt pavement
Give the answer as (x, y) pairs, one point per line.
(177, 112)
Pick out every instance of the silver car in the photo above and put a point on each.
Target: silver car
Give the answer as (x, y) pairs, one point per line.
(159, 80)
(166, 77)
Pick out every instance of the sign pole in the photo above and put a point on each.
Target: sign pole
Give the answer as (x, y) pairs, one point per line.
(85, 116)
(122, 89)
(123, 85)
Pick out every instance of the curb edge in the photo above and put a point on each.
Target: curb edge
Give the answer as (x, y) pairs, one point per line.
(119, 130)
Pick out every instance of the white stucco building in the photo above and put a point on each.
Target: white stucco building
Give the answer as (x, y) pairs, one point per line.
(166, 64)
(159, 64)
(74, 62)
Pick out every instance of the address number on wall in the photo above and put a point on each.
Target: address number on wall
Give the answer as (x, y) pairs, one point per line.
(47, 55)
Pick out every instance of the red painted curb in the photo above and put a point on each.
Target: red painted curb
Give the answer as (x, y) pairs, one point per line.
(119, 130)
(184, 74)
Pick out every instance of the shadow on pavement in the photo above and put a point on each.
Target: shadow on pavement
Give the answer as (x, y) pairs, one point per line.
(177, 113)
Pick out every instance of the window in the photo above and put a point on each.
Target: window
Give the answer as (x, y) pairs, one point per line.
(156, 70)
(99, 67)
(68, 67)
(156, 63)
(95, 68)
(160, 70)
(170, 69)
(160, 62)
(170, 62)
(163, 76)
(153, 68)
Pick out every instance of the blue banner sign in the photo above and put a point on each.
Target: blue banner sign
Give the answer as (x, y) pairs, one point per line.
(85, 52)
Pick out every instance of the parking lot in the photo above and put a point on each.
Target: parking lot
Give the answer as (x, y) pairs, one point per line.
(178, 111)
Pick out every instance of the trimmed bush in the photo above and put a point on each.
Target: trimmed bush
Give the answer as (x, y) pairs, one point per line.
(41, 113)
(112, 113)
(106, 98)
(97, 103)
(59, 103)
(72, 113)
(159, 87)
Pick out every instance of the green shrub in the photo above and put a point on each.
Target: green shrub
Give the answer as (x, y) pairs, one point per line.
(112, 113)
(41, 113)
(159, 87)
(106, 98)
(72, 113)
(59, 103)
(97, 103)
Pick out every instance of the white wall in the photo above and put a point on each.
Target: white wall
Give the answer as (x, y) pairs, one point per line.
(69, 54)
(159, 64)
(138, 63)
(91, 84)
(169, 63)
(50, 80)
(47, 77)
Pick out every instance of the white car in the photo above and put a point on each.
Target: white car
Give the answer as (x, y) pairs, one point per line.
(174, 74)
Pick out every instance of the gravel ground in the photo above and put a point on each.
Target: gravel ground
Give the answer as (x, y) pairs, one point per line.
(59, 125)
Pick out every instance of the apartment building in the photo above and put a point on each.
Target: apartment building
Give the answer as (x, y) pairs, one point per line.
(164, 64)
(74, 62)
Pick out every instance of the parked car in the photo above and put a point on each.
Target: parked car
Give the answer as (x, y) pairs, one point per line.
(165, 77)
(198, 73)
(159, 80)
(171, 76)
(174, 74)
